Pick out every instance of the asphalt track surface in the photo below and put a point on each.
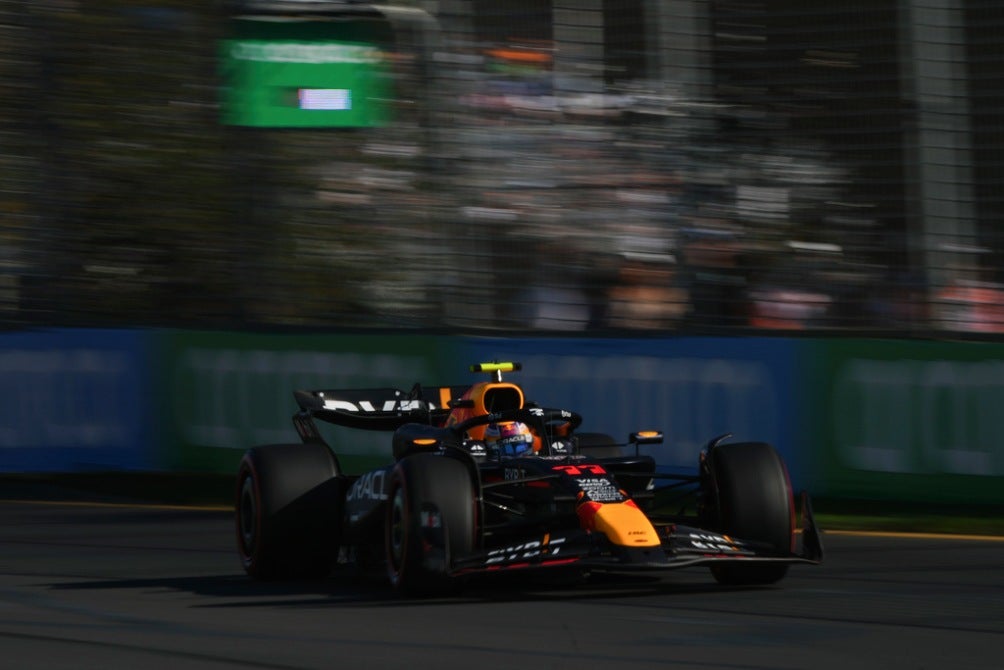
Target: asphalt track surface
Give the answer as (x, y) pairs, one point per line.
(114, 587)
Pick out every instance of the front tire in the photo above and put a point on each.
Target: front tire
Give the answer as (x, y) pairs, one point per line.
(288, 511)
(431, 518)
(750, 498)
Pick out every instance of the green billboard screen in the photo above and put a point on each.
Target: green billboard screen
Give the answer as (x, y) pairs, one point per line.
(293, 75)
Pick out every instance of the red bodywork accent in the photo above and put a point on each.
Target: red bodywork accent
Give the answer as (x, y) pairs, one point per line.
(579, 470)
(587, 514)
(543, 564)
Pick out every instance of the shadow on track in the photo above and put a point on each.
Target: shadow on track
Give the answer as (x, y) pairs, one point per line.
(352, 589)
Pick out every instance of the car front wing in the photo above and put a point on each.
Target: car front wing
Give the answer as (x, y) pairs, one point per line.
(682, 546)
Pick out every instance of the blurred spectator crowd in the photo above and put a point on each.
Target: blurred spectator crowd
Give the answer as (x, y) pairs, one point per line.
(494, 201)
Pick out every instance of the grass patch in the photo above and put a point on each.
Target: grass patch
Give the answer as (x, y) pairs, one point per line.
(911, 517)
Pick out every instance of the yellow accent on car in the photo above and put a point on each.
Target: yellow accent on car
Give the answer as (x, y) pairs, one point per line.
(493, 367)
(424, 441)
(626, 525)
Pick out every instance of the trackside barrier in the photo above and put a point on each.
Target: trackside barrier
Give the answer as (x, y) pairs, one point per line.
(906, 420)
(693, 389)
(230, 391)
(854, 418)
(76, 400)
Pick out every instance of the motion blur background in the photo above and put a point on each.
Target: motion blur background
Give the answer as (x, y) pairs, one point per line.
(691, 165)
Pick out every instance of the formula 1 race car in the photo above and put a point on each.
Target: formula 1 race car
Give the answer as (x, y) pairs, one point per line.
(484, 481)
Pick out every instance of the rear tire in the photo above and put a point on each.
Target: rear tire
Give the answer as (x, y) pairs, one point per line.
(431, 517)
(288, 511)
(751, 499)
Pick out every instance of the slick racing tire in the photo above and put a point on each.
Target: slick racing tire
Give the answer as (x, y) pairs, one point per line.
(752, 500)
(288, 511)
(431, 517)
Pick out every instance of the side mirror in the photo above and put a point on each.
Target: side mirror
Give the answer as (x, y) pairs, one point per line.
(646, 437)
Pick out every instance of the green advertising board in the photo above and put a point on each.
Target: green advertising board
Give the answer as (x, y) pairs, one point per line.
(905, 420)
(226, 392)
(285, 73)
(895, 420)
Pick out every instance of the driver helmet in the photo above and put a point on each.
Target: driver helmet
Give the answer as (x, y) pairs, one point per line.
(511, 438)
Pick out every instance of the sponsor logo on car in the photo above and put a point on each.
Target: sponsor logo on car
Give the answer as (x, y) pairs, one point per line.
(525, 551)
(368, 487)
(600, 489)
(367, 406)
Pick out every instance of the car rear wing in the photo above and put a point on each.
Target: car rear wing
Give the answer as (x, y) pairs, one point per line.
(380, 408)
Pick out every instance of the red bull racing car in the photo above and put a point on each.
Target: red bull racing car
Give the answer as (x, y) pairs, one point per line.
(484, 481)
